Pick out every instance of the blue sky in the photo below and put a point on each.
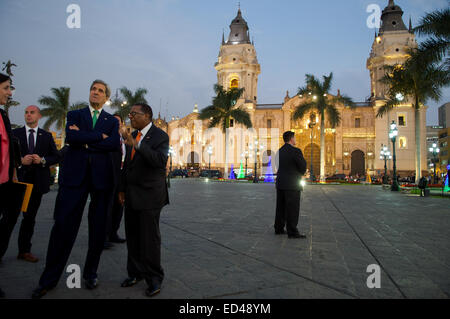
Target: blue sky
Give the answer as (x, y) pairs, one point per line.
(170, 47)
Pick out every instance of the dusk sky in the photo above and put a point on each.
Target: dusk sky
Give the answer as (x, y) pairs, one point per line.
(170, 47)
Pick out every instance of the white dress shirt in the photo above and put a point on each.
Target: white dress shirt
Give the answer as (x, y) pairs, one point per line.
(92, 111)
(144, 132)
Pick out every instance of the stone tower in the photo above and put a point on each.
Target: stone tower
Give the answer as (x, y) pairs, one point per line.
(237, 64)
(390, 47)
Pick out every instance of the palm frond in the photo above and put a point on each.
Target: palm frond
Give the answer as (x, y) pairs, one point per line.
(333, 116)
(303, 109)
(242, 117)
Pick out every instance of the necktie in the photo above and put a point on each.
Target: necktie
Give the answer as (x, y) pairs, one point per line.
(138, 138)
(94, 118)
(31, 141)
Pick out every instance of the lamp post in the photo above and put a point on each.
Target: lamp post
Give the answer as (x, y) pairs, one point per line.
(393, 132)
(255, 178)
(171, 152)
(385, 155)
(209, 167)
(245, 155)
(312, 123)
(435, 151)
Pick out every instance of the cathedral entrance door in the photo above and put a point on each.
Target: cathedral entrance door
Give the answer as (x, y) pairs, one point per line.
(358, 163)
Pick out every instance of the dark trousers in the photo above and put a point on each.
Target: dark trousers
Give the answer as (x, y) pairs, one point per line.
(9, 212)
(69, 207)
(144, 245)
(29, 220)
(115, 215)
(287, 211)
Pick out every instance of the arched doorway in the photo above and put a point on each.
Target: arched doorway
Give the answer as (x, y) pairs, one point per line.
(315, 158)
(358, 163)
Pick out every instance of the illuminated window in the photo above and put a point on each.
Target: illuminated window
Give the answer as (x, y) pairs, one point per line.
(401, 120)
(234, 84)
(402, 142)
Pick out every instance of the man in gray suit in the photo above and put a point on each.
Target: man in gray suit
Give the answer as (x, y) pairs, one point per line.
(143, 191)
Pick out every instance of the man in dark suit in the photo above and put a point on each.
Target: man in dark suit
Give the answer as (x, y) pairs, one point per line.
(143, 189)
(38, 152)
(115, 208)
(92, 134)
(291, 168)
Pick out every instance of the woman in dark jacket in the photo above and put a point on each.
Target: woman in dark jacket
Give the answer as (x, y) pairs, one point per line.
(9, 156)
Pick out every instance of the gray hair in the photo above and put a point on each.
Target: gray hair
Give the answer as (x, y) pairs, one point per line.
(108, 90)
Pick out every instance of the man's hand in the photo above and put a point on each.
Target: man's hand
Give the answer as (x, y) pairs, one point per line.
(104, 136)
(74, 127)
(27, 160)
(127, 137)
(121, 198)
(36, 159)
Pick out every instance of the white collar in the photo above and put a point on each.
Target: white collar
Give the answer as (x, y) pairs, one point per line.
(92, 110)
(145, 130)
(27, 128)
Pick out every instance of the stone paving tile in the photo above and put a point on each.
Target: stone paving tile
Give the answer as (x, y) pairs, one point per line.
(218, 242)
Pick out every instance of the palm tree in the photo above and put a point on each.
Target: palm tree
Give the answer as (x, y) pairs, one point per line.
(318, 99)
(9, 104)
(419, 80)
(123, 105)
(436, 25)
(222, 110)
(58, 106)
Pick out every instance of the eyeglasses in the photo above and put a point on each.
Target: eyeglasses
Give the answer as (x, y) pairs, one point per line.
(133, 114)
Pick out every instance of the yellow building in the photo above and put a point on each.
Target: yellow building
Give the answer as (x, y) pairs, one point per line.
(351, 148)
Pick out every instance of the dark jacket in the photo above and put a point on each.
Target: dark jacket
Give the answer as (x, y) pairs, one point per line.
(88, 154)
(14, 150)
(37, 174)
(144, 178)
(291, 168)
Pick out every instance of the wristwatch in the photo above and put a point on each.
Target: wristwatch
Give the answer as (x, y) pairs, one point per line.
(43, 161)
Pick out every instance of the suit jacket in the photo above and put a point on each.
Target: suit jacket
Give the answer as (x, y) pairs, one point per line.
(144, 178)
(88, 154)
(116, 157)
(37, 174)
(291, 168)
(14, 151)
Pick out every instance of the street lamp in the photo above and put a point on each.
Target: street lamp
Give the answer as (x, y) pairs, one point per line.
(171, 153)
(435, 151)
(385, 155)
(393, 132)
(312, 123)
(255, 178)
(246, 156)
(209, 152)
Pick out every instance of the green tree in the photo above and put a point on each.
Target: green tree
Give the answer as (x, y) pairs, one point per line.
(124, 103)
(436, 25)
(223, 110)
(417, 81)
(317, 99)
(57, 108)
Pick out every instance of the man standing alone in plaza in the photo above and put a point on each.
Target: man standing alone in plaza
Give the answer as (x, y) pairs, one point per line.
(92, 134)
(143, 189)
(291, 168)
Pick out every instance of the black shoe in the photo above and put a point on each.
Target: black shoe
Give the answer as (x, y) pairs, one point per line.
(152, 291)
(117, 240)
(2, 294)
(297, 236)
(108, 245)
(40, 292)
(130, 282)
(91, 283)
(280, 232)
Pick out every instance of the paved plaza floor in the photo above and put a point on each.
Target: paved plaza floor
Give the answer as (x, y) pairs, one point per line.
(218, 242)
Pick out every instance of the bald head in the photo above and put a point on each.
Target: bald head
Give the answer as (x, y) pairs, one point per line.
(32, 116)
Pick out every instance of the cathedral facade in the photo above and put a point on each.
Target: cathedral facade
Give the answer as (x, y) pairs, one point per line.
(351, 148)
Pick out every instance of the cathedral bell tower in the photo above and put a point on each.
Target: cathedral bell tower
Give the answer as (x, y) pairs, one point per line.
(237, 65)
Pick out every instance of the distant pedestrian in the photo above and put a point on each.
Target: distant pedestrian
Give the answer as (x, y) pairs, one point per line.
(422, 185)
(291, 168)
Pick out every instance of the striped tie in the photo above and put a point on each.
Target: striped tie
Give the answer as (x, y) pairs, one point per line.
(133, 150)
